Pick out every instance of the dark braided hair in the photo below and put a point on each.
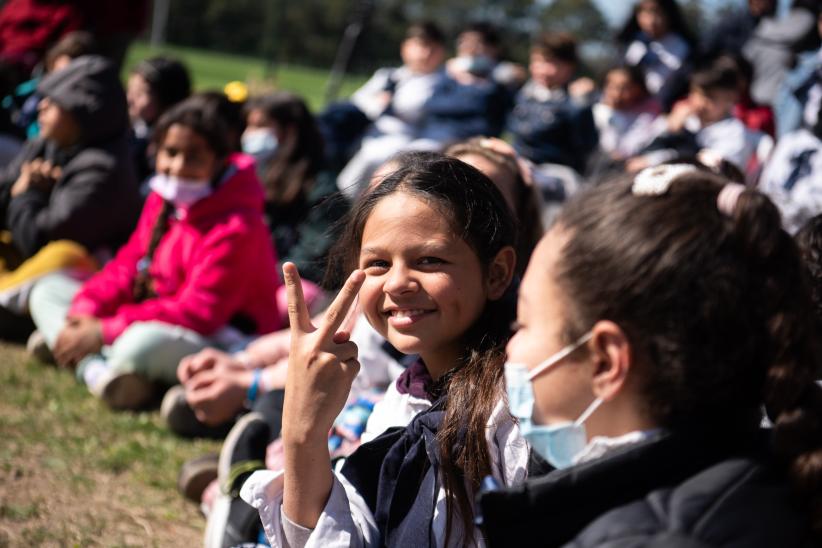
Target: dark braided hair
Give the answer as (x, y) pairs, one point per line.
(716, 307)
(201, 114)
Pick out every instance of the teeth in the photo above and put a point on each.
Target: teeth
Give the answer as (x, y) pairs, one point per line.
(406, 313)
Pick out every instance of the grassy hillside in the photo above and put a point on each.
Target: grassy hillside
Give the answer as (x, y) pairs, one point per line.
(213, 70)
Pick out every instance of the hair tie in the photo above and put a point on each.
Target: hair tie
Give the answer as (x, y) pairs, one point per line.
(655, 181)
(728, 197)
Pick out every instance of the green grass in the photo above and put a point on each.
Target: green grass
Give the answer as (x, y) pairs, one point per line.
(73, 472)
(213, 70)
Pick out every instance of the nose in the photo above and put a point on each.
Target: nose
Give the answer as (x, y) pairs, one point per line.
(400, 280)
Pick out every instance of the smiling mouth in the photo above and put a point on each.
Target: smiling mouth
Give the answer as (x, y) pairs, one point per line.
(406, 317)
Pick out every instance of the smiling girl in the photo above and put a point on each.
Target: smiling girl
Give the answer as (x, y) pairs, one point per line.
(431, 249)
(198, 270)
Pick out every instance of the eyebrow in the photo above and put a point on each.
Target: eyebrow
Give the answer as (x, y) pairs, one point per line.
(428, 247)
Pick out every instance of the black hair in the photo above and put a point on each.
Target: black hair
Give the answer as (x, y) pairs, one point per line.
(427, 31)
(167, 78)
(673, 13)
(487, 31)
(559, 45)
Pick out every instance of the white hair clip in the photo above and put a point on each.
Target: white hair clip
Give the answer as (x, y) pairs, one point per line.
(654, 181)
(728, 197)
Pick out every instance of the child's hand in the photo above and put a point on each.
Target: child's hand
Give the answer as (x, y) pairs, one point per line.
(217, 394)
(39, 174)
(322, 363)
(81, 336)
(204, 360)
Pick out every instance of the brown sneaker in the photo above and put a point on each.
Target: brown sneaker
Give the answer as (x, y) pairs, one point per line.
(195, 475)
(124, 391)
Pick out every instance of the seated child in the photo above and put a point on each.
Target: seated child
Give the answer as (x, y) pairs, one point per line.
(199, 270)
(548, 127)
(154, 86)
(705, 122)
(70, 198)
(656, 39)
(625, 119)
(394, 100)
(432, 258)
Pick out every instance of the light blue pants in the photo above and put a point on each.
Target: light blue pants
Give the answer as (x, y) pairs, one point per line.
(153, 349)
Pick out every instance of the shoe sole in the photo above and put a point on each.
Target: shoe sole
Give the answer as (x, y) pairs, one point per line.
(127, 391)
(196, 475)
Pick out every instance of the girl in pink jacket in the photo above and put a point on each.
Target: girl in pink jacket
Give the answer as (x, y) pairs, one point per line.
(199, 270)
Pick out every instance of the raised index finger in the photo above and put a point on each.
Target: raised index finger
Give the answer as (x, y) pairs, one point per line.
(336, 312)
(297, 310)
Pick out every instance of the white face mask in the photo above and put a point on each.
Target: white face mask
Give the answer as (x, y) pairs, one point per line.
(181, 192)
(559, 444)
(261, 143)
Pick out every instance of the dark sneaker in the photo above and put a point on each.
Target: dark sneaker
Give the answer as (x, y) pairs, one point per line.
(180, 417)
(37, 348)
(232, 521)
(195, 475)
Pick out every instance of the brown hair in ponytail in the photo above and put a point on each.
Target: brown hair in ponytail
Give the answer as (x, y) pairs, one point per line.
(716, 307)
(479, 214)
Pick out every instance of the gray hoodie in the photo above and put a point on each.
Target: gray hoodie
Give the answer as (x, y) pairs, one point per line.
(95, 202)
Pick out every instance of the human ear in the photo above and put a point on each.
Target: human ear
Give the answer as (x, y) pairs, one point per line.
(501, 272)
(613, 356)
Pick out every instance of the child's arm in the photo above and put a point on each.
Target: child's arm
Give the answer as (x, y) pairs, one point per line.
(322, 366)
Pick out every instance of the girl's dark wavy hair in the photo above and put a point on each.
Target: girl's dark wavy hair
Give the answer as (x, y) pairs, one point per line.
(676, 22)
(716, 307)
(478, 213)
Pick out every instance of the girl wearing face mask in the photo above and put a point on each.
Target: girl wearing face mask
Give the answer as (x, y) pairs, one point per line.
(678, 313)
(301, 198)
(199, 270)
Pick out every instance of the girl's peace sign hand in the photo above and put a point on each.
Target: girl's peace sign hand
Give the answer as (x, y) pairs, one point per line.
(322, 363)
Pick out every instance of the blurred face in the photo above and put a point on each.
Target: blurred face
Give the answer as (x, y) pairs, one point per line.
(759, 8)
(549, 71)
(619, 91)
(141, 103)
(185, 154)
(470, 44)
(502, 177)
(712, 106)
(424, 285)
(652, 20)
(57, 124)
(563, 391)
(421, 56)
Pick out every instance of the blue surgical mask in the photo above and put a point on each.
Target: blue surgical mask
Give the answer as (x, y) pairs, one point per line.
(179, 191)
(559, 444)
(261, 143)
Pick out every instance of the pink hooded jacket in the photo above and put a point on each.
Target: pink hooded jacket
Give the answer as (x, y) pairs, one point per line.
(215, 261)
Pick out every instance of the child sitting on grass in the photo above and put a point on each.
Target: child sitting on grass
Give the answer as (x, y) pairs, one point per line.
(199, 270)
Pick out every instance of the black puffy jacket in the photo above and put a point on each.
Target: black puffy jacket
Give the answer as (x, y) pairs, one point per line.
(95, 202)
(671, 491)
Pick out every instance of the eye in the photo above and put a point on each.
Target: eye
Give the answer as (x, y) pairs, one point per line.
(430, 261)
(378, 264)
